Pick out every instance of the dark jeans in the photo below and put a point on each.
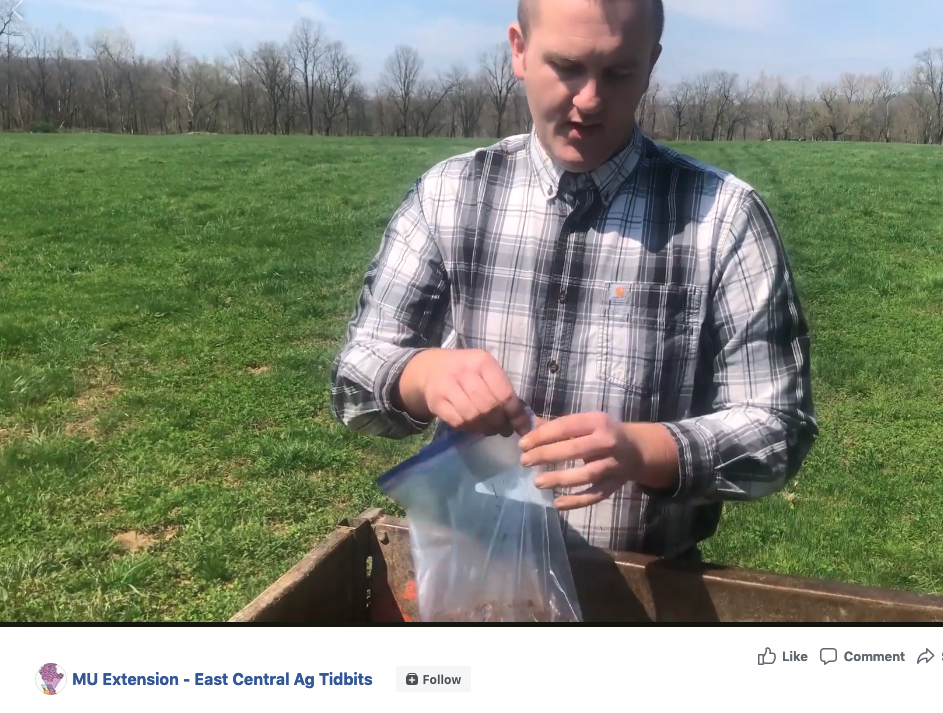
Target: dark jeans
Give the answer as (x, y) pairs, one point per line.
(575, 541)
(691, 555)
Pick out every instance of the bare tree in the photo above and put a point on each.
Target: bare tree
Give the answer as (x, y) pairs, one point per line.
(175, 68)
(136, 72)
(66, 99)
(724, 86)
(308, 47)
(679, 99)
(886, 90)
(334, 84)
(466, 102)
(805, 98)
(923, 107)
(243, 75)
(766, 105)
(784, 109)
(458, 76)
(521, 119)
(856, 101)
(834, 114)
(107, 82)
(401, 81)
(9, 20)
(10, 32)
(499, 73)
(270, 64)
(700, 101)
(929, 78)
(431, 96)
(120, 68)
(738, 114)
(39, 65)
(355, 109)
(379, 105)
(197, 85)
(645, 116)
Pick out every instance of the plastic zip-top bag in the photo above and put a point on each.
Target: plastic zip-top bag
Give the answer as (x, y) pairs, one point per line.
(487, 544)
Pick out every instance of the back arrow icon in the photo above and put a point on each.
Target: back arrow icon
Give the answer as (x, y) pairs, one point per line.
(926, 656)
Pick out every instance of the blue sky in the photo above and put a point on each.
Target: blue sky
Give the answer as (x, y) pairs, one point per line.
(818, 39)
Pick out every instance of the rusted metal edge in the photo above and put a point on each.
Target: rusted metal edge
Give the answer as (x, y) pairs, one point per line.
(771, 582)
(371, 516)
(300, 577)
(722, 576)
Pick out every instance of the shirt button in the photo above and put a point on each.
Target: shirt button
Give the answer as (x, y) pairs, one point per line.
(562, 297)
(554, 367)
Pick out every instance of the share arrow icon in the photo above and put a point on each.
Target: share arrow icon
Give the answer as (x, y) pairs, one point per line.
(925, 657)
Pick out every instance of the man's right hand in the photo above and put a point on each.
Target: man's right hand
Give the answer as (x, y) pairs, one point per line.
(466, 388)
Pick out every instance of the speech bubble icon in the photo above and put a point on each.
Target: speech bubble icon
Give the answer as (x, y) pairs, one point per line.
(828, 656)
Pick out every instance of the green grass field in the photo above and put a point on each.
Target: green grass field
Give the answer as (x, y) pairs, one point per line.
(170, 306)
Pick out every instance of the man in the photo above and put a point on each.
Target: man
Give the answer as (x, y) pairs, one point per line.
(639, 301)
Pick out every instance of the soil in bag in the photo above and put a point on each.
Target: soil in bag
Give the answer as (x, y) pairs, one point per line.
(487, 545)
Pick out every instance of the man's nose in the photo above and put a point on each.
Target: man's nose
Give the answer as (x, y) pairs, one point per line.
(588, 100)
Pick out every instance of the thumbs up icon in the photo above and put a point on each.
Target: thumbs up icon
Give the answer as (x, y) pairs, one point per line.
(766, 659)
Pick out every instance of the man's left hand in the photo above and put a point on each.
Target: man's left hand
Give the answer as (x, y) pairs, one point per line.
(614, 453)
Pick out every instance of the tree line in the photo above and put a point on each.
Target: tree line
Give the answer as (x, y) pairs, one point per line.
(719, 106)
(312, 84)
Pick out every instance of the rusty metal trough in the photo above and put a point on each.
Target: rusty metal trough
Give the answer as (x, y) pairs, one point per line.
(363, 573)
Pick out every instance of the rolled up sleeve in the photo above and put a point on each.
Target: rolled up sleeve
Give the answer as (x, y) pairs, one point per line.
(401, 311)
(756, 424)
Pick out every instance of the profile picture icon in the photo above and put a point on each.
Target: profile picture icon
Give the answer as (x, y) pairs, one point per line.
(412, 679)
(50, 679)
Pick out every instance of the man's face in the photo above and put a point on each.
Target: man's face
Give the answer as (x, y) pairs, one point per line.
(585, 67)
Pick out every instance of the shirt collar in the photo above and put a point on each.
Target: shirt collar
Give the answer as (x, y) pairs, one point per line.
(609, 177)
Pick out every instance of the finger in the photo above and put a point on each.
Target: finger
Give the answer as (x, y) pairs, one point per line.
(529, 428)
(586, 448)
(446, 412)
(490, 416)
(592, 496)
(455, 397)
(588, 474)
(506, 399)
(519, 419)
(560, 429)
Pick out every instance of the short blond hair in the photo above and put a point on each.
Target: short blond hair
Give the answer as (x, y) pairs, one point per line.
(525, 10)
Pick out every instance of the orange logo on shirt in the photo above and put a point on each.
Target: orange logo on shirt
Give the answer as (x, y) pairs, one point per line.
(620, 292)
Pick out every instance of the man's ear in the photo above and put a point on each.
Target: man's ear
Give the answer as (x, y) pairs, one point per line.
(516, 38)
(656, 53)
(653, 59)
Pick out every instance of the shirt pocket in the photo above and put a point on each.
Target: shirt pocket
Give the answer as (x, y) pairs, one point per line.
(648, 338)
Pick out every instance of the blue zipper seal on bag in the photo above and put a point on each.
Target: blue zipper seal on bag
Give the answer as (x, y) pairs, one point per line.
(451, 439)
(437, 447)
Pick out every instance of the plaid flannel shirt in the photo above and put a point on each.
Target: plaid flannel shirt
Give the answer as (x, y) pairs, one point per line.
(655, 288)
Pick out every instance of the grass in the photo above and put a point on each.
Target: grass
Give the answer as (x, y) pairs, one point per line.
(170, 306)
(864, 231)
